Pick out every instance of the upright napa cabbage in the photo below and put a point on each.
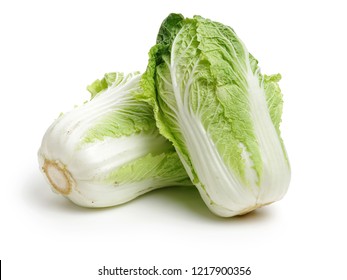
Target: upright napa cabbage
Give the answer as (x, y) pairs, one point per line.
(109, 151)
(221, 114)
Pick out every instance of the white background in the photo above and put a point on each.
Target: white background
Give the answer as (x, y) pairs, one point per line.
(50, 51)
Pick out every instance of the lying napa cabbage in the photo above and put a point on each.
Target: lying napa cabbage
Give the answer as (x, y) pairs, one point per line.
(109, 151)
(221, 114)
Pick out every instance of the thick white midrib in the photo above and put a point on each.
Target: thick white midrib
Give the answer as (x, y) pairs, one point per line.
(221, 184)
(275, 178)
(80, 119)
(274, 175)
(110, 97)
(102, 105)
(66, 133)
(206, 161)
(101, 158)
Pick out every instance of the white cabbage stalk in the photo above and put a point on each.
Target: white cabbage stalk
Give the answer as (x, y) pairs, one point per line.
(221, 114)
(109, 151)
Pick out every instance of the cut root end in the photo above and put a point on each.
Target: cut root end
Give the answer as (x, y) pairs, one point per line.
(58, 176)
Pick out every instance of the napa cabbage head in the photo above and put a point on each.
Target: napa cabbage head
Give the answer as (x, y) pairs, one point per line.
(221, 113)
(109, 150)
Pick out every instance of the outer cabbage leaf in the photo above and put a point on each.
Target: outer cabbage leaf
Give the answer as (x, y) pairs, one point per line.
(221, 114)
